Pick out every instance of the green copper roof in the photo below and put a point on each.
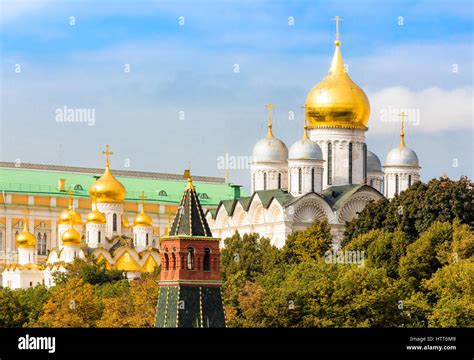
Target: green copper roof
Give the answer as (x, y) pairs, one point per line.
(164, 188)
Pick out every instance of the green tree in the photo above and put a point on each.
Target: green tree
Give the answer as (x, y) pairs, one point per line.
(452, 295)
(307, 244)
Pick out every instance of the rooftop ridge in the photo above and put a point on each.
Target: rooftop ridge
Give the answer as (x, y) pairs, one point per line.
(99, 171)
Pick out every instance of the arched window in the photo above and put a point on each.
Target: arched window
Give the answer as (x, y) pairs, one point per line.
(364, 166)
(264, 181)
(279, 180)
(312, 179)
(207, 260)
(190, 258)
(396, 184)
(350, 163)
(78, 187)
(146, 239)
(300, 181)
(162, 193)
(44, 244)
(167, 261)
(329, 164)
(38, 243)
(173, 261)
(204, 196)
(114, 222)
(99, 237)
(409, 180)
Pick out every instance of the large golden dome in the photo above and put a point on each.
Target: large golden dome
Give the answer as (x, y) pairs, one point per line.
(337, 101)
(25, 239)
(107, 189)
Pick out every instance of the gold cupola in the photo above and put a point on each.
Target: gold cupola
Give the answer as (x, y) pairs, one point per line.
(95, 216)
(70, 213)
(337, 102)
(25, 239)
(142, 219)
(107, 188)
(71, 236)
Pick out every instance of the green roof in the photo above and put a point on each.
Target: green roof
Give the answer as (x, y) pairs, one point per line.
(163, 188)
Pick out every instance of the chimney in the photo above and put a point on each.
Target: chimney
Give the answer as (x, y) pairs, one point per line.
(62, 184)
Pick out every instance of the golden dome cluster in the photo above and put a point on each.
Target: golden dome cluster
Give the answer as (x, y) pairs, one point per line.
(107, 189)
(337, 101)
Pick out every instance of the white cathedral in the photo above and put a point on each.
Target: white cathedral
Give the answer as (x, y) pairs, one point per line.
(327, 175)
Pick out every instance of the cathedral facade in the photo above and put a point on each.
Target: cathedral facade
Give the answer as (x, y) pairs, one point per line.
(329, 174)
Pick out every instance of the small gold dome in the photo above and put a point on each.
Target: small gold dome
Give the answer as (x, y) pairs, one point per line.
(25, 239)
(68, 214)
(125, 223)
(107, 188)
(95, 216)
(142, 219)
(337, 101)
(71, 237)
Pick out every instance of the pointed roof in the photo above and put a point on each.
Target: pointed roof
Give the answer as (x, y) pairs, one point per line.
(190, 219)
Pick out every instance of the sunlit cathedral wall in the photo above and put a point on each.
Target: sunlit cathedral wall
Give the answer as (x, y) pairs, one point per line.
(338, 142)
(113, 214)
(266, 177)
(399, 179)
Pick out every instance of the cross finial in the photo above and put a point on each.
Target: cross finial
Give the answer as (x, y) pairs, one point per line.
(269, 107)
(107, 153)
(187, 175)
(70, 193)
(337, 19)
(25, 225)
(402, 131)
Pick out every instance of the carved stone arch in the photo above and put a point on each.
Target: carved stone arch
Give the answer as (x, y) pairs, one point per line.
(239, 216)
(222, 218)
(311, 208)
(354, 205)
(275, 212)
(256, 211)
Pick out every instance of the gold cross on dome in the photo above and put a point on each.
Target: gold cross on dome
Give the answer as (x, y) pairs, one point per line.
(143, 197)
(107, 153)
(402, 131)
(269, 107)
(337, 19)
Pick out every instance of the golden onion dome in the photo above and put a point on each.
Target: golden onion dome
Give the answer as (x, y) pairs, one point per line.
(71, 236)
(142, 219)
(68, 214)
(25, 239)
(107, 189)
(95, 216)
(337, 102)
(125, 223)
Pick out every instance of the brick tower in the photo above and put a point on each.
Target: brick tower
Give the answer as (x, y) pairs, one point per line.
(190, 285)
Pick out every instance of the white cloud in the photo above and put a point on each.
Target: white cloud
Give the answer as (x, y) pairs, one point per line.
(13, 9)
(429, 110)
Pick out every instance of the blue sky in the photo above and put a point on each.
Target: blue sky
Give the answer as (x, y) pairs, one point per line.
(424, 65)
